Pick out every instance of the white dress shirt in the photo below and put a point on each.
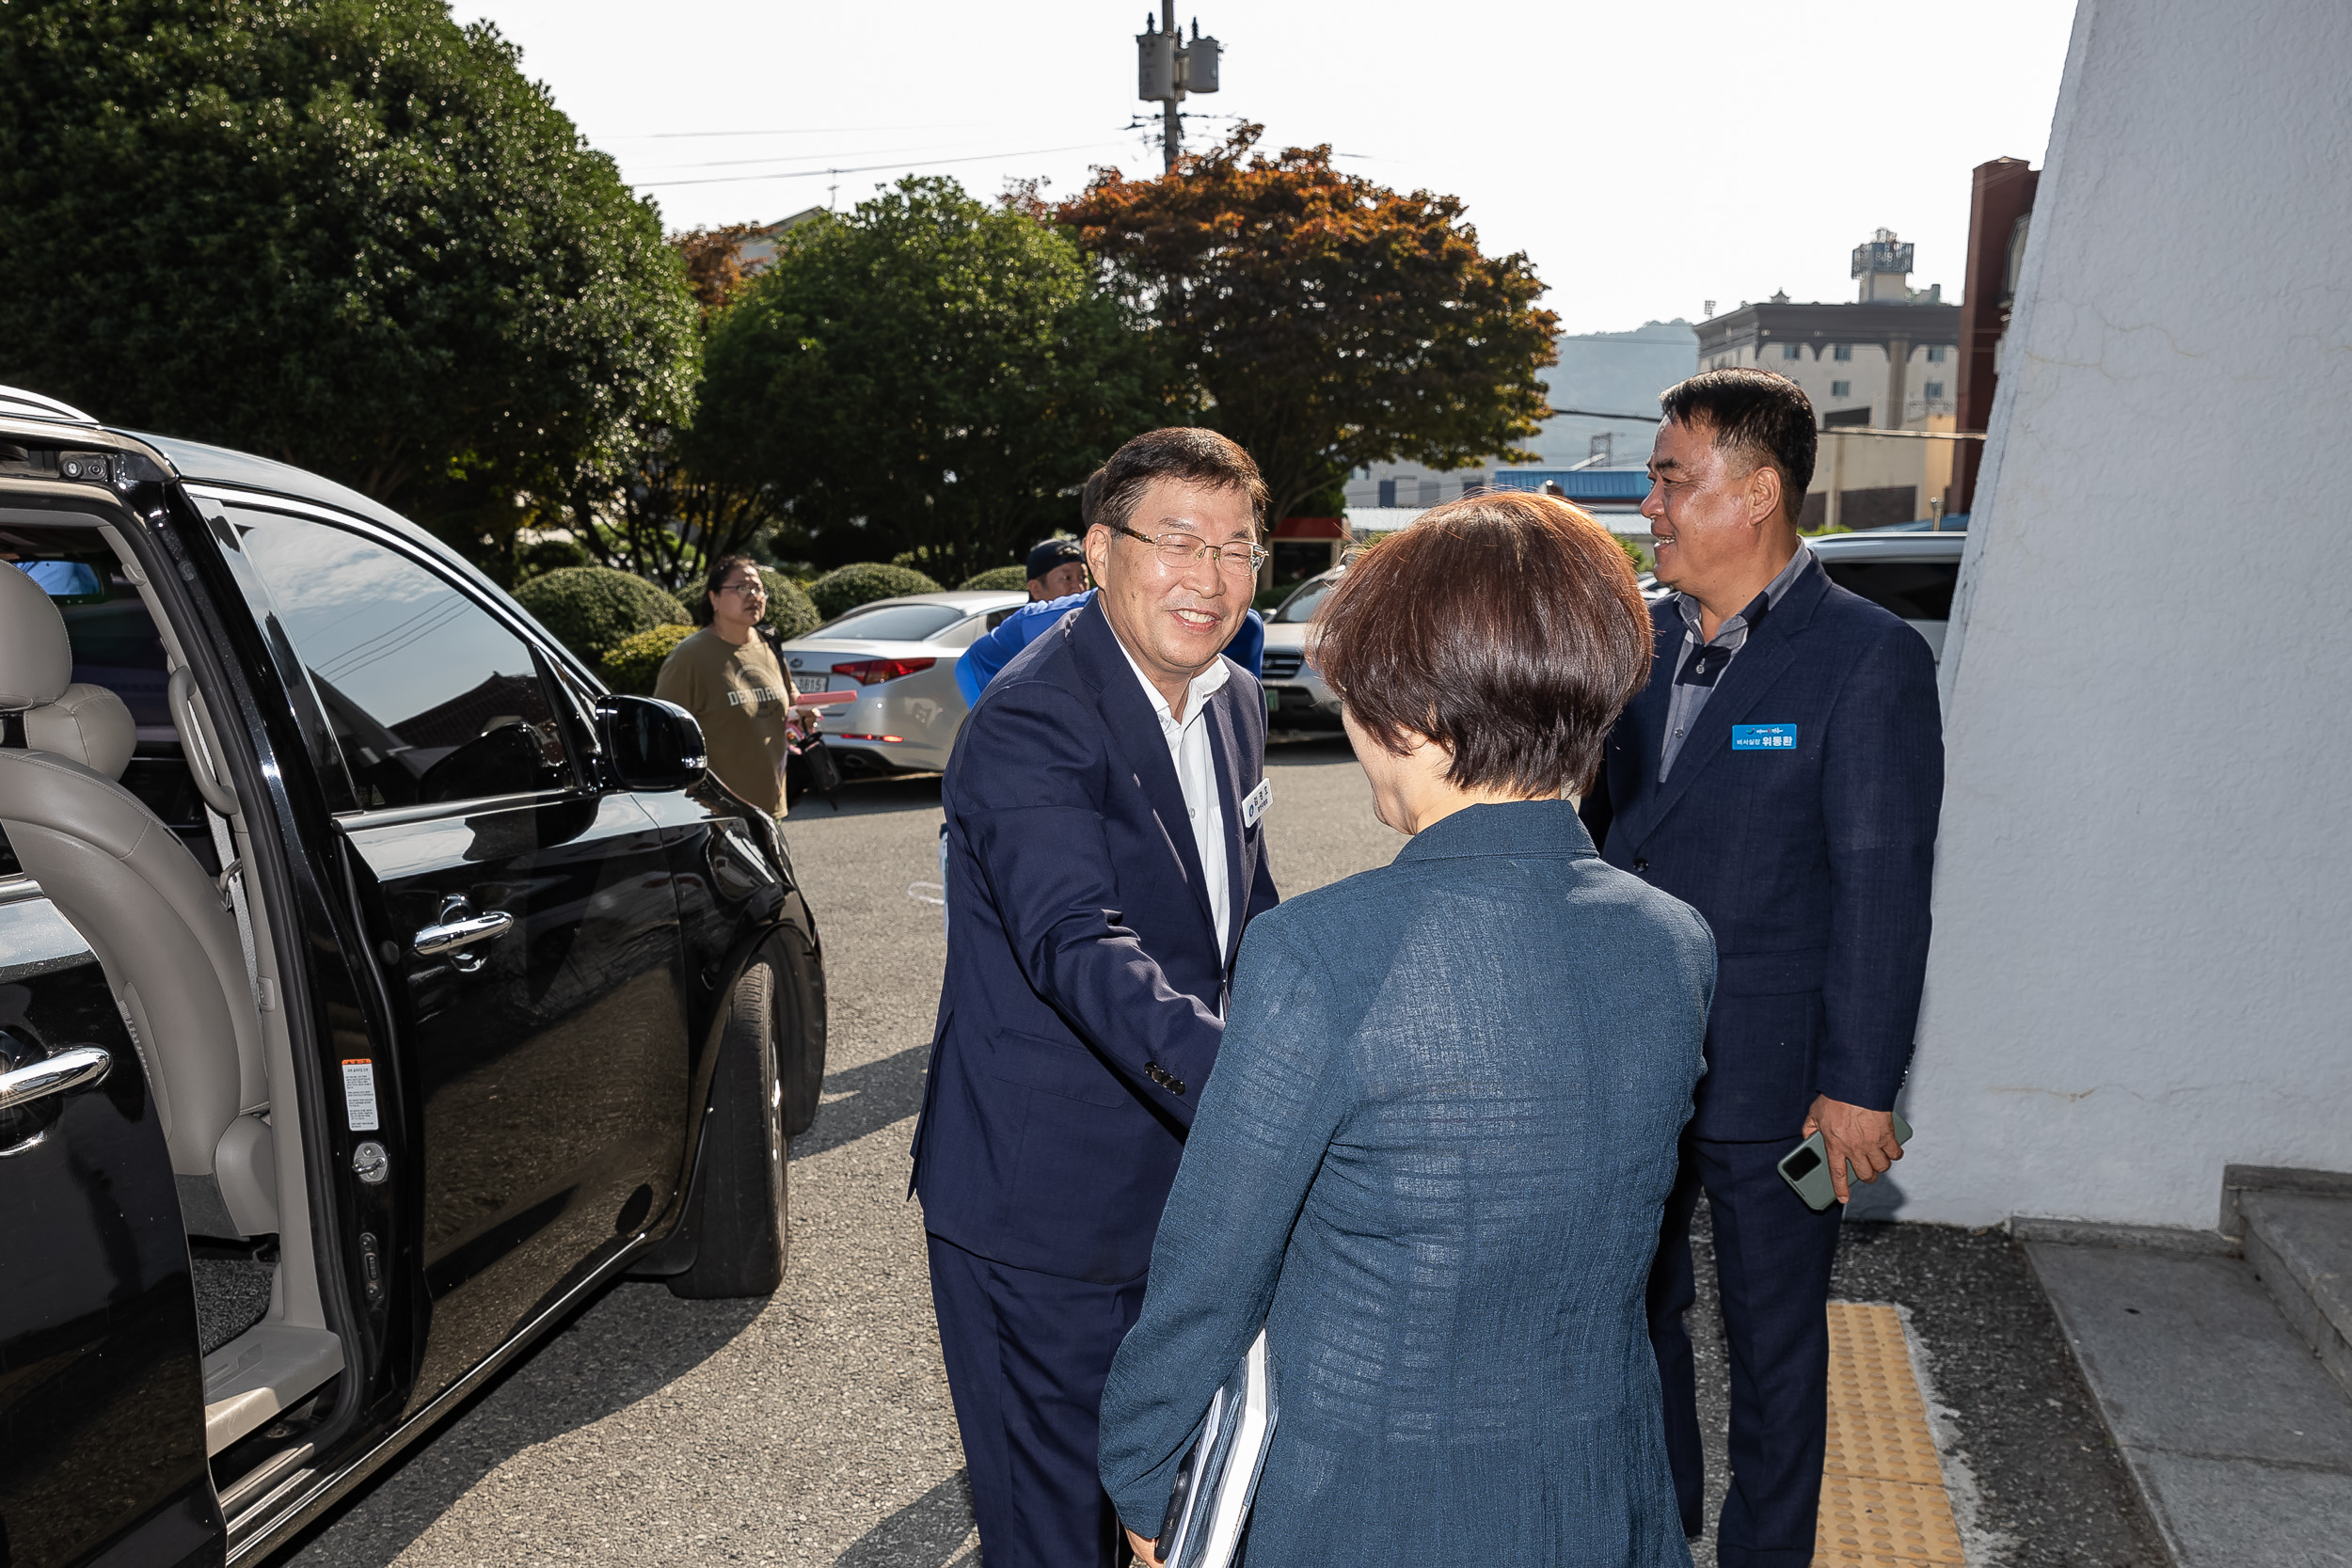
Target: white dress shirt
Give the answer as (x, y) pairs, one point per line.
(1196, 774)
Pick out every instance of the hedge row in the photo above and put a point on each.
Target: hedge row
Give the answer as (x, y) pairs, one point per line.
(624, 627)
(1011, 578)
(788, 608)
(593, 609)
(842, 590)
(636, 663)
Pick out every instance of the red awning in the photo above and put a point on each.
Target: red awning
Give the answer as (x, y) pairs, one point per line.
(1310, 527)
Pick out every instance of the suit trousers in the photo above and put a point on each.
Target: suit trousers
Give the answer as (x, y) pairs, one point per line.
(1027, 1354)
(1772, 1257)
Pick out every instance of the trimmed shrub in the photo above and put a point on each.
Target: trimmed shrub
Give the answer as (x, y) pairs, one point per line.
(842, 590)
(788, 608)
(1010, 577)
(542, 556)
(634, 664)
(592, 610)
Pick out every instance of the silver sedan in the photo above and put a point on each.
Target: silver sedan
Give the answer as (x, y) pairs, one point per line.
(900, 656)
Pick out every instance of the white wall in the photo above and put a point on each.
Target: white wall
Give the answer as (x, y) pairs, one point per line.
(2142, 965)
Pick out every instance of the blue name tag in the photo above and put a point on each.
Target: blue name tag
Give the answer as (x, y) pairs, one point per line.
(1763, 737)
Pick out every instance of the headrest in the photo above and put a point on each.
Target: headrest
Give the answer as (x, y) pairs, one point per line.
(87, 725)
(35, 661)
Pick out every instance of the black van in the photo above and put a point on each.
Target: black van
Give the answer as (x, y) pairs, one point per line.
(373, 986)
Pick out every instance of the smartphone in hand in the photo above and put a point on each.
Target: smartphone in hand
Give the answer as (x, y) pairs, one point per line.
(1805, 1168)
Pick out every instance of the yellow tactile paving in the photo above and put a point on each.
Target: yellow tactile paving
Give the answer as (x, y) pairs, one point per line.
(1883, 1498)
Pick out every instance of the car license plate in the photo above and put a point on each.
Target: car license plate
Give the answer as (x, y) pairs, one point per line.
(811, 682)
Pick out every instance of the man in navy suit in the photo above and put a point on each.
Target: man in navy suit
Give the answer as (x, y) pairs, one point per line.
(1781, 773)
(1106, 849)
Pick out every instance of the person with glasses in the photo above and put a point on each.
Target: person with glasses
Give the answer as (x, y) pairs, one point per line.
(729, 679)
(978, 664)
(1104, 811)
(1432, 1161)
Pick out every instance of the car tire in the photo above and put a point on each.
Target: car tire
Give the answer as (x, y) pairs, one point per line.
(741, 1214)
(797, 991)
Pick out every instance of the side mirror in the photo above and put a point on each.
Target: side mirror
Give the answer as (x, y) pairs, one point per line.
(651, 744)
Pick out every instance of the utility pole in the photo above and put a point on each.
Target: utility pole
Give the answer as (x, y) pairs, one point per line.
(1168, 68)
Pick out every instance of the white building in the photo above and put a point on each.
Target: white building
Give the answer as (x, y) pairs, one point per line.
(2142, 962)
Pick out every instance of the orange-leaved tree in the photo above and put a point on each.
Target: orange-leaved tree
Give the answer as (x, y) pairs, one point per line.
(1325, 322)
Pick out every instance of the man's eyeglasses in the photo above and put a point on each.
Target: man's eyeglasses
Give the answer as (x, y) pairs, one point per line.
(1182, 549)
(757, 590)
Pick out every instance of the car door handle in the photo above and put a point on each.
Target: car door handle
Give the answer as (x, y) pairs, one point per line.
(70, 1068)
(459, 927)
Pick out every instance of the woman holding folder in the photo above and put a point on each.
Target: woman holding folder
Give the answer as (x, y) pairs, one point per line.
(1431, 1161)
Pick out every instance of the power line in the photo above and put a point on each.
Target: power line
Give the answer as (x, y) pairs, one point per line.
(795, 130)
(795, 157)
(868, 168)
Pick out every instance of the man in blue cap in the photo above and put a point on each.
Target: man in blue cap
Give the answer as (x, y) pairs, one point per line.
(1057, 569)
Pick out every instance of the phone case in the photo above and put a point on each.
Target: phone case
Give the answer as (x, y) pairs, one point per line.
(1805, 1168)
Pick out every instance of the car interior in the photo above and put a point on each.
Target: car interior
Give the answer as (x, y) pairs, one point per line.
(111, 739)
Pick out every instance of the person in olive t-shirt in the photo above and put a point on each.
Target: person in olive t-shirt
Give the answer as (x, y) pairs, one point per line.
(727, 677)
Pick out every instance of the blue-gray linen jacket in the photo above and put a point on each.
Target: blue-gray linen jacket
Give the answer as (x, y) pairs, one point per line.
(1431, 1161)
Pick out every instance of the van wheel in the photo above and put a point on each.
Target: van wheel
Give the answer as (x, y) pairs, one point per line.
(740, 1213)
(797, 986)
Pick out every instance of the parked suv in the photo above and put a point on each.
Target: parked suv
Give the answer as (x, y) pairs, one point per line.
(1295, 696)
(373, 986)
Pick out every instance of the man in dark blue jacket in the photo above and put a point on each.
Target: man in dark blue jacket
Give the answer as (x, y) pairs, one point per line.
(1105, 850)
(1781, 773)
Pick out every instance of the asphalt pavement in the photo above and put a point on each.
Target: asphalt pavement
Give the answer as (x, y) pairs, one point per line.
(814, 1428)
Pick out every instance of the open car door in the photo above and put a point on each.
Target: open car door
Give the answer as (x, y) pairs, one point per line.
(101, 1388)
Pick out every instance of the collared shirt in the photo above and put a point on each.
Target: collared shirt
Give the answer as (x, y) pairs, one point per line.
(1703, 660)
(1196, 774)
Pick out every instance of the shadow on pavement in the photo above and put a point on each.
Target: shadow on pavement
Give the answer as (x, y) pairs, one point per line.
(630, 1342)
(927, 1533)
(870, 1099)
(868, 796)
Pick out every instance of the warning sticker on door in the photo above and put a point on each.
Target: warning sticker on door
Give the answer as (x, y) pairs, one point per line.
(360, 1095)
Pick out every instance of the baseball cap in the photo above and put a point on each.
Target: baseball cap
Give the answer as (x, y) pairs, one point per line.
(1053, 553)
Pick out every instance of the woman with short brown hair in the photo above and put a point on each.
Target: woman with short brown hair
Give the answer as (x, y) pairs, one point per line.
(1431, 1161)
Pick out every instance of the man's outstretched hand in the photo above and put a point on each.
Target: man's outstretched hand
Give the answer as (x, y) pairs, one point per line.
(1147, 1552)
(1851, 1133)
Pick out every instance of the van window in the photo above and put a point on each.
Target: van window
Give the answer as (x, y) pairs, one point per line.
(116, 645)
(1914, 590)
(431, 697)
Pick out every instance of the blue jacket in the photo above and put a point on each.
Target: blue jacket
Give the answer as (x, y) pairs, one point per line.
(1812, 865)
(1085, 994)
(1431, 1164)
(982, 660)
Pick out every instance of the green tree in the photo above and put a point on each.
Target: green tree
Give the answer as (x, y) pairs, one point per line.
(926, 373)
(1324, 320)
(346, 233)
(659, 516)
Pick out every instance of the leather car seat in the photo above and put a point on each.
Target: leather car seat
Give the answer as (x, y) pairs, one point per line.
(162, 931)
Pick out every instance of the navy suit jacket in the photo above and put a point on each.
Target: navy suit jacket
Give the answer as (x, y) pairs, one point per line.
(1811, 865)
(1085, 991)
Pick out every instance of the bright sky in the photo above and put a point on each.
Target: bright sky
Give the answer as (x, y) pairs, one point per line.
(1650, 157)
